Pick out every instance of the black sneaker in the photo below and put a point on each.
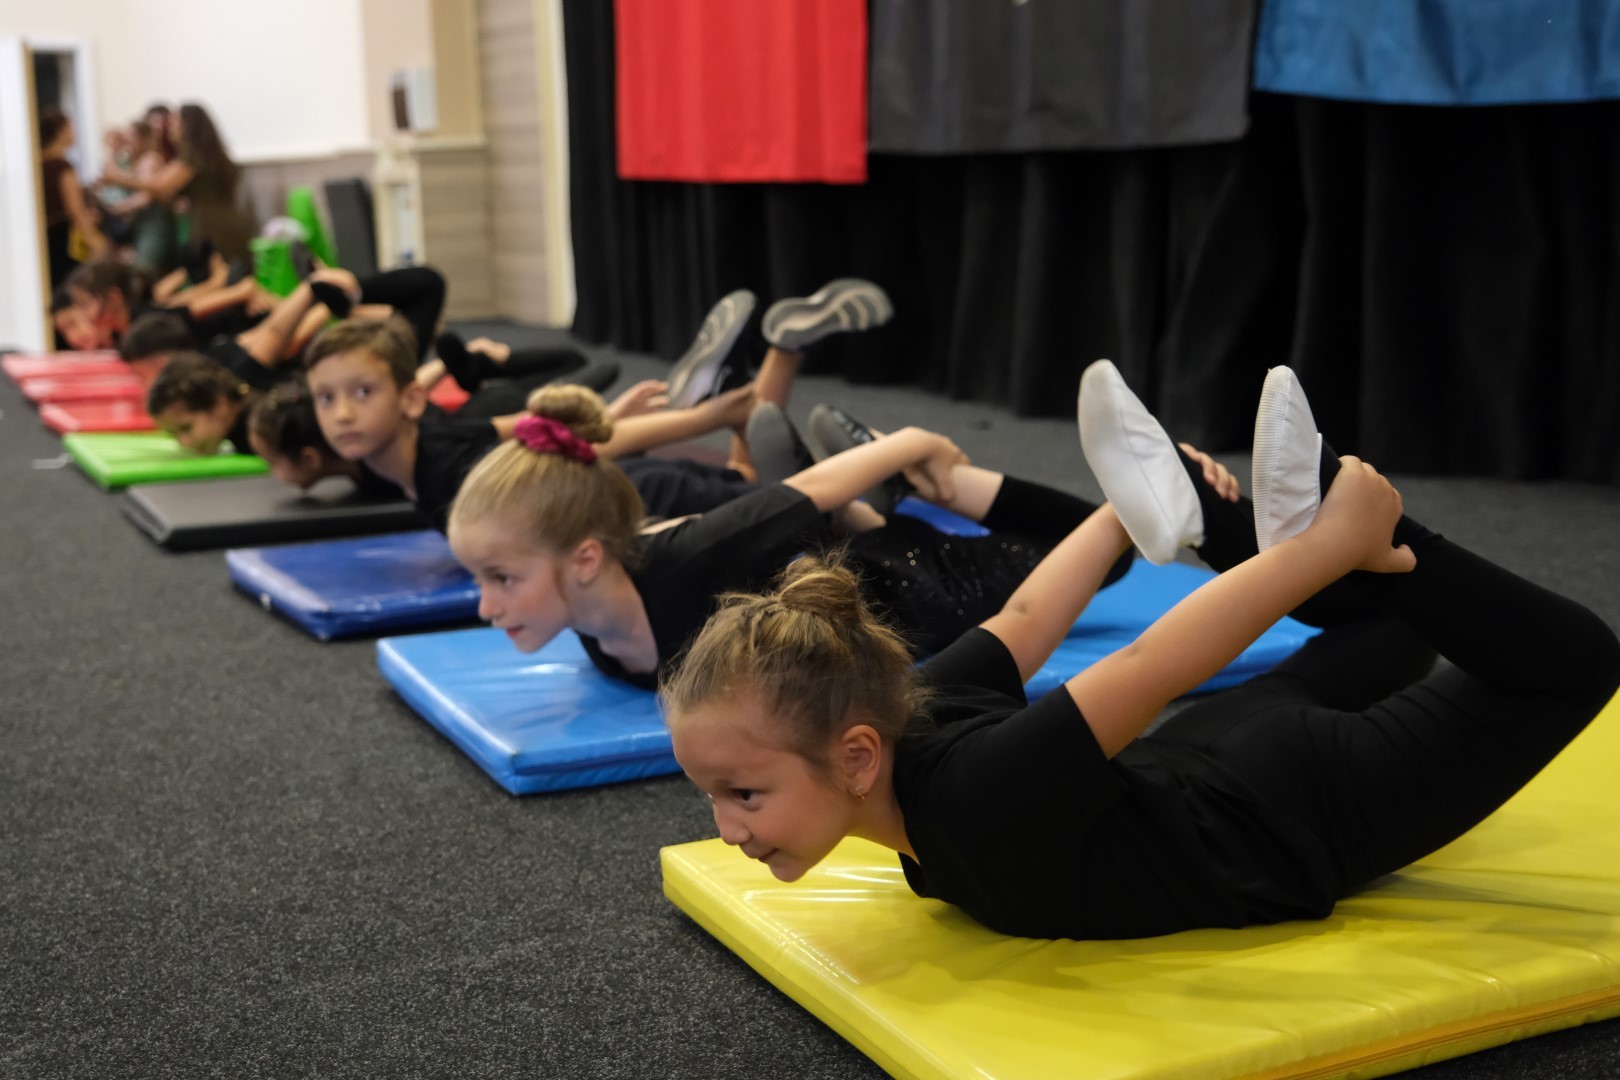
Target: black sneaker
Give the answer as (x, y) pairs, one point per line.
(838, 307)
(775, 445)
(698, 372)
(832, 431)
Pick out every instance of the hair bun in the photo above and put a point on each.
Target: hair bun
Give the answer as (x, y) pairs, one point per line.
(578, 407)
(817, 586)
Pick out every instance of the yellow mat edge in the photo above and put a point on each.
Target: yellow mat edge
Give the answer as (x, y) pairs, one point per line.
(690, 893)
(1459, 1038)
(688, 888)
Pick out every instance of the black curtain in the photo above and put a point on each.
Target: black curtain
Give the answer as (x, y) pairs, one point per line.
(1444, 280)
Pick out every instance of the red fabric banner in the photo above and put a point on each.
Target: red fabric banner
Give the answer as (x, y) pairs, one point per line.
(742, 90)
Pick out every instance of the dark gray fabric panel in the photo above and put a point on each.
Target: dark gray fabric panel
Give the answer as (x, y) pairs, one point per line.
(1019, 75)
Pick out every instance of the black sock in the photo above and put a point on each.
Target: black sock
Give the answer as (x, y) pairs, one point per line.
(198, 260)
(460, 363)
(1407, 531)
(336, 300)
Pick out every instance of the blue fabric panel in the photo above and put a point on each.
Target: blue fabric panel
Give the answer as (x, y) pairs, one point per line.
(1118, 614)
(548, 721)
(344, 587)
(542, 721)
(1440, 52)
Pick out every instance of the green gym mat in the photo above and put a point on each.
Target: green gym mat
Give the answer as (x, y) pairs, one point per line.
(119, 459)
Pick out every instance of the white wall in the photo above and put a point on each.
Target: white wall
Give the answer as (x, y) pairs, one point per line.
(282, 78)
(22, 290)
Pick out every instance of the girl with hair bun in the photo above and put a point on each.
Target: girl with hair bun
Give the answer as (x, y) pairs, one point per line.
(799, 716)
(551, 531)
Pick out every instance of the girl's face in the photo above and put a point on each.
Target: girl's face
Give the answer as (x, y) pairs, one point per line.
(768, 800)
(102, 318)
(202, 432)
(522, 589)
(302, 470)
(76, 328)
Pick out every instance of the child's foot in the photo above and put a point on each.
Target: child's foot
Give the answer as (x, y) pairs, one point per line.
(775, 445)
(469, 369)
(698, 371)
(841, 306)
(198, 261)
(832, 431)
(1289, 460)
(1141, 472)
(332, 295)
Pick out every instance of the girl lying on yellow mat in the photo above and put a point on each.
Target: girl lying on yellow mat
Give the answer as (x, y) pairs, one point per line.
(804, 721)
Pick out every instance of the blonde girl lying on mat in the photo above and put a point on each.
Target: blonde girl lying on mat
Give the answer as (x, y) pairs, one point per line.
(551, 531)
(804, 721)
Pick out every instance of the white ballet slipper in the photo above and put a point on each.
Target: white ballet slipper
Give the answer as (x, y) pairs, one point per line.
(1138, 466)
(1286, 481)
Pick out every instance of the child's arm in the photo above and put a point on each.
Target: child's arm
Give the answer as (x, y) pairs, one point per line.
(1122, 693)
(269, 342)
(203, 300)
(165, 184)
(1043, 608)
(634, 434)
(844, 477)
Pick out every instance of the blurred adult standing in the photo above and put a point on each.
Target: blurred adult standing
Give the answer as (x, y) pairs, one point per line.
(71, 232)
(204, 176)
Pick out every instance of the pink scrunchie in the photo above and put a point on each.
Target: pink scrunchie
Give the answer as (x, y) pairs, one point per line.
(544, 435)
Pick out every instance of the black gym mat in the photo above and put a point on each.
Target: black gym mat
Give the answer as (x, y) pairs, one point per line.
(259, 510)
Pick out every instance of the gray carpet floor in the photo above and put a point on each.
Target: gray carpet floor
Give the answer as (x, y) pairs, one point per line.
(229, 850)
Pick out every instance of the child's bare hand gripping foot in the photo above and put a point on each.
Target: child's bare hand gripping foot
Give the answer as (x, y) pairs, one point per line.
(648, 395)
(1216, 475)
(1360, 512)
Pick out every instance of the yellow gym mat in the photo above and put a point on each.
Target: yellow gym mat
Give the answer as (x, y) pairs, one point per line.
(1510, 932)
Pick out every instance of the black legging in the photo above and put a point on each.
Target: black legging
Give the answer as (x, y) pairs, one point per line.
(942, 586)
(1352, 738)
(416, 293)
(506, 396)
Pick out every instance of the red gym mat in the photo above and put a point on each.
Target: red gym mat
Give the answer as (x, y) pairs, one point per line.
(120, 386)
(447, 395)
(116, 415)
(75, 364)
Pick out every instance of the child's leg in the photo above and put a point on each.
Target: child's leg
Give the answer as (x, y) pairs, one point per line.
(472, 367)
(416, 293)
(773, 384)
(1389, 784)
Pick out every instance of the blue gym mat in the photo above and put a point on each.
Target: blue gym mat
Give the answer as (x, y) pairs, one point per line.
(340, 588)
(350, 587)
(1119, 613)
(541, 721)
(548, 720)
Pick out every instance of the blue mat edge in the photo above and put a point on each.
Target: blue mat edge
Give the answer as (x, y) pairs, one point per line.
(453, 722)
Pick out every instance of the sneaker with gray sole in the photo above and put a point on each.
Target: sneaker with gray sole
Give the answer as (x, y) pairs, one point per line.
(843, 306)
(700, 369)
(832, 431)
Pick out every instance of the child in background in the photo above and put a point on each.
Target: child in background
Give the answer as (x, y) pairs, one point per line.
(369, 411)
(804, 722)
(361, 374)
(551, 532)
